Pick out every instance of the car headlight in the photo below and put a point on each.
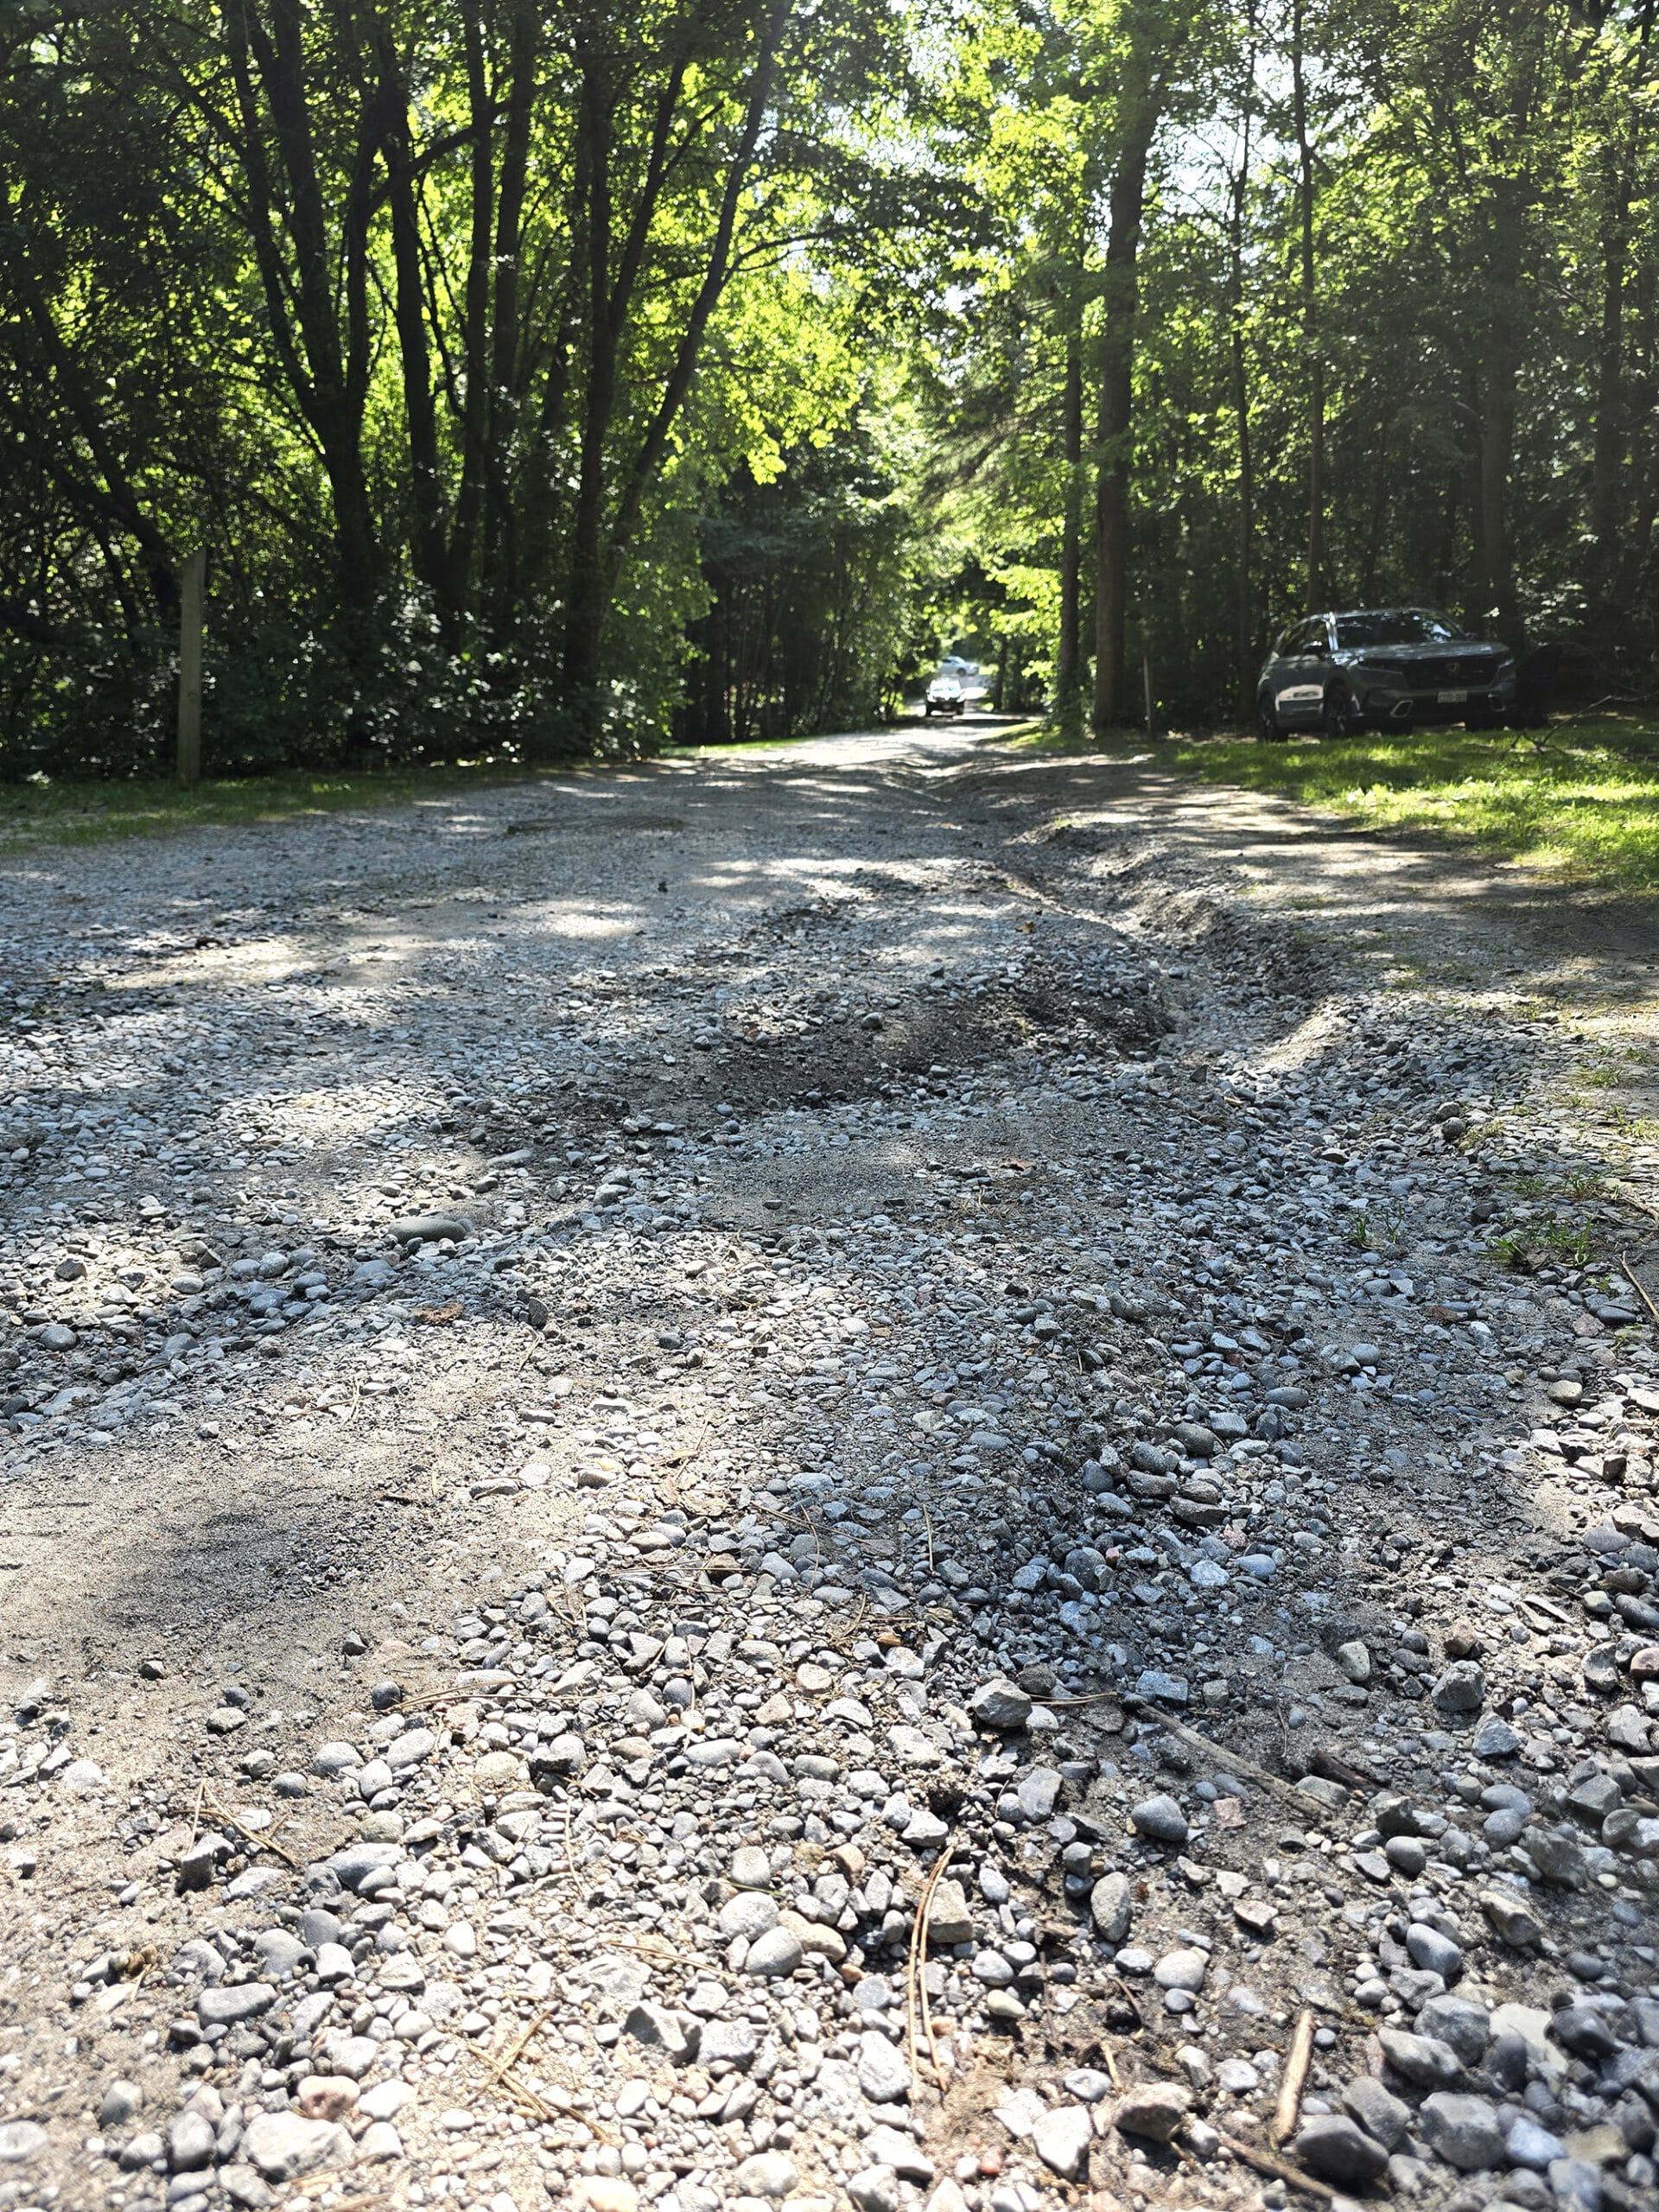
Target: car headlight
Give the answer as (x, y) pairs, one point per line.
(1504, 670)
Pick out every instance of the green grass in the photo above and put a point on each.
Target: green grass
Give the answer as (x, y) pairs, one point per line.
(1587, 807)
(46, 811)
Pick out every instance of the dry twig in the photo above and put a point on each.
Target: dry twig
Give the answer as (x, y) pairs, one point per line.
(1288, 2108)
(916, 1999)
(252, 1835)
(1640, 1292)
(1280, 2169)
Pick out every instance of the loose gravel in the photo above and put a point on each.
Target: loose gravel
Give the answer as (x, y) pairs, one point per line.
(817, 1481)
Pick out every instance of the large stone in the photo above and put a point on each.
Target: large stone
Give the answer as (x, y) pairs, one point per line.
(242, 2000)
(189, 2142)
(1111, 1907)
(284, 2145)
(21, 2140)
(119, 2104)
(774, 1953)
(430, 1228)
(1355, 1661)
(1465, 2130)
(1161, 1821)
(875, 2188)
(1423, 2060)
(883, 2076)
(1061, 2140)
(949, 1920)
(1455, 2020)
(352, 1866)
(1378, 2112)
(1512, 1920)
(1336, 2150)
(891, 2146)
(1154, 2109)
(750, 1914)
(1435, 1952)
(1000, 1704)
(751, 1868)
(768, 2173)
(1461, 1690)
(1039, 1792)
(734, 2042)
(1495, 1739)
(658, 2028)
(1530, 2143)
(1195, 1439)
(1559, 1856)
(1183, 1969)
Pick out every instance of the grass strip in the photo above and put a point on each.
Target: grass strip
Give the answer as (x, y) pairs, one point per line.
(1584, 806)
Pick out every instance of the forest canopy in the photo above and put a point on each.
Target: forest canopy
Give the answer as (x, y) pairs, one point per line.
(542, 378)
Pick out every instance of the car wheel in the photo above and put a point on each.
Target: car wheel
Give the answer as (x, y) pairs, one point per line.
(1266, 721)
(1341, 717)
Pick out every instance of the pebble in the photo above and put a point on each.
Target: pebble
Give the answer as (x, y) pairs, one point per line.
(1336, 2150)
(768, 2173)
(776, 1953)
(1001, 1704)
(1381, 2115)
(1161, 1821)
(283, 2147)
(1111, 1905)
(1061, 2140)
(1464, 2130)
(21, 2140)
(883, 2073)
(1154, 2109)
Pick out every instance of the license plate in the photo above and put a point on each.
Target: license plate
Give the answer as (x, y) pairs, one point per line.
(1451, 698)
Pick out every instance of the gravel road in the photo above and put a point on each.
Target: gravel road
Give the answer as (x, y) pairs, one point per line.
(889, 1474)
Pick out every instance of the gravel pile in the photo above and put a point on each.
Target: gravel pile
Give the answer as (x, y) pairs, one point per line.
(839, 1532)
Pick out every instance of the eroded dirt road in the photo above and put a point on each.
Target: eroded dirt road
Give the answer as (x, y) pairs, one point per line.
(815, 1477)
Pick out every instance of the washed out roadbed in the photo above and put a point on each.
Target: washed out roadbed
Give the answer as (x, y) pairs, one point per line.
(894, 1475)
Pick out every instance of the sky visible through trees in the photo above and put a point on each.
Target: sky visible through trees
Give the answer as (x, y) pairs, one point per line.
(543, 378)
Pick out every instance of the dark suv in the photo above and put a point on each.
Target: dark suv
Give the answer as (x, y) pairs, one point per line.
(1386, 667)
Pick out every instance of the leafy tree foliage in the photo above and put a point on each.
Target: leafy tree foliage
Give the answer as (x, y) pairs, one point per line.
(541, 375)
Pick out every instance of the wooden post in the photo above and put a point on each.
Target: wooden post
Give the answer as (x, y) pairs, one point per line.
(193, 578)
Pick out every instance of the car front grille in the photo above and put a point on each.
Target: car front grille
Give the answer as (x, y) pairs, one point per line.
(1449, 670)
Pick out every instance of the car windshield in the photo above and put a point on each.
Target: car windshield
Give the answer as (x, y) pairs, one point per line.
(1405, 626)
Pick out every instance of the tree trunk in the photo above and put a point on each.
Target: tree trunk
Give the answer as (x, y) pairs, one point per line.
(476, 350)
(409, 314)
(585, 600)
(1068, 669)
(1611, 437)
(329, 385)
(1314, 588)
(1244, 637)
(498, 562)
(1114, 418)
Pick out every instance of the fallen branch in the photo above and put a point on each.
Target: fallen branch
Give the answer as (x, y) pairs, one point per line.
(1287, 2110)
(1229, 1761)
(1280, 2169)
(1641, 1293)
